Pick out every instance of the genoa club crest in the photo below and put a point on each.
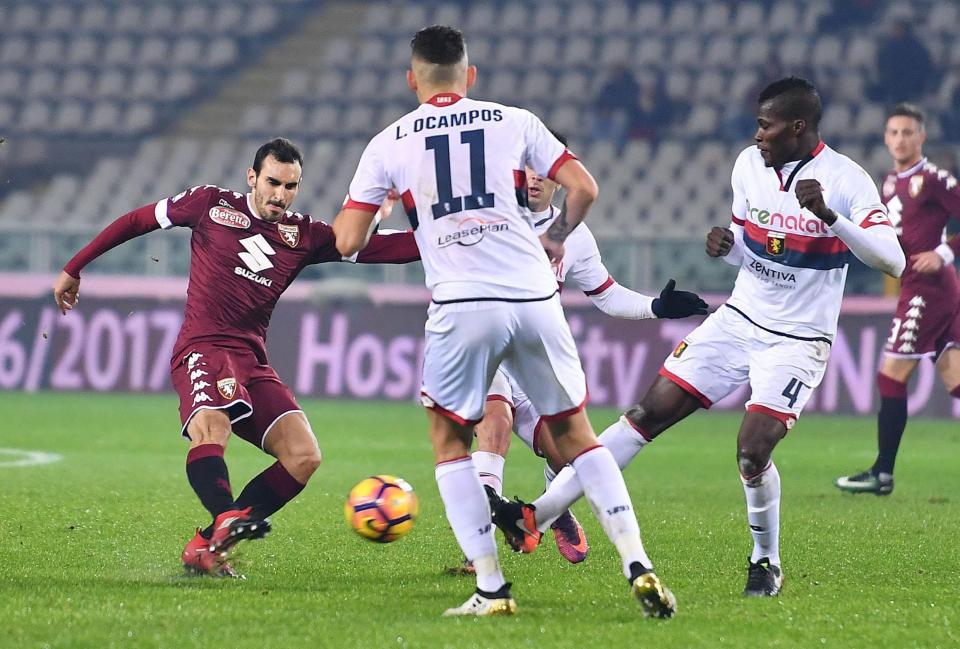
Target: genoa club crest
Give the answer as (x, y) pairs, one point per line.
(776, 243)
(227, 387)
(289, 233)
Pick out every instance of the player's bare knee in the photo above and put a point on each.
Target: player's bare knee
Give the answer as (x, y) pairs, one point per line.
(751, 461)
(748, 467)
(209, 427)
(306, 464)
(637, 415)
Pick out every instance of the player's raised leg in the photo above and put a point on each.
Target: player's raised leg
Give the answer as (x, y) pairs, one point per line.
(759, 433)
(664, 404)
(552, 378)
(567, 532)
(606, 491)
(290, 440)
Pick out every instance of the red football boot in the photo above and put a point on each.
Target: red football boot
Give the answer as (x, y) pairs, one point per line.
(233, 526)
(571, 540)
(198, 559)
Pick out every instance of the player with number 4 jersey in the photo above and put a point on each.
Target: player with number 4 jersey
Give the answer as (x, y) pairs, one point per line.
(458, 164)
(800, 210)
(246, 250)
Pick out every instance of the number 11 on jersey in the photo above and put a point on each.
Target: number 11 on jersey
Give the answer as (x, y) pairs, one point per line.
(478, 198)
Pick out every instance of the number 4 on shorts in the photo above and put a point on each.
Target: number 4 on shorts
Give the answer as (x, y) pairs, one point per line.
(792, 391)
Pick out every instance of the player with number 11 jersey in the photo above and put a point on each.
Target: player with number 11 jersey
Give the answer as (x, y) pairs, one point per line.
(459, 165)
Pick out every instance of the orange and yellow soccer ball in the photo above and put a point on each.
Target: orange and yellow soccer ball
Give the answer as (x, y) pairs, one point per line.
(381, 508)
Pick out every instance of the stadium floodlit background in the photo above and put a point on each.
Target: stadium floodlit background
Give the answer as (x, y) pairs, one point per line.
(109, 105)
(106, 105)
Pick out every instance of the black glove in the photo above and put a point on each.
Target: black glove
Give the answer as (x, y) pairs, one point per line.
(677, 304)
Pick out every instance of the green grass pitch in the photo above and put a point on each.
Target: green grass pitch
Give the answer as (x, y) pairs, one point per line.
(89, 546)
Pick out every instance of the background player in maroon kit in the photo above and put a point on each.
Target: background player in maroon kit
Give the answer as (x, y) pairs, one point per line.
(246, 249)
(919, 199)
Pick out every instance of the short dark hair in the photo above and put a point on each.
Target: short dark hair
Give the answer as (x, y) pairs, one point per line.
(559, 136)
(797, 99)
(906, 109)
(280, 148)
(439, 44)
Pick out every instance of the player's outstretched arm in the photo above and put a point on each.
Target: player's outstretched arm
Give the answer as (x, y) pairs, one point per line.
(390, 247)
(352, 228)
(677, 304)
(874, 242)
(66, 290)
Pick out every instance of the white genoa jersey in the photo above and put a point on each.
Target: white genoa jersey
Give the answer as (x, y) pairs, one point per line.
(458, 164)
(794, 266)
(581, 266)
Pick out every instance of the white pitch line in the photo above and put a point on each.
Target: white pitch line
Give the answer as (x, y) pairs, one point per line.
(19, 457)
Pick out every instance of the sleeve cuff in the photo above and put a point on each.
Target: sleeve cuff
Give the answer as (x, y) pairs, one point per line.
(351, 204)
(603, 287)
(566, 155)
(160, 212)
(945, 252)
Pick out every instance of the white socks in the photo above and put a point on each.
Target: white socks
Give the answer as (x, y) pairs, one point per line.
(763, 513)
(624, 443)
(602, 482)
(623, 440)
(490, 468)
(469, 516)
(549, 475)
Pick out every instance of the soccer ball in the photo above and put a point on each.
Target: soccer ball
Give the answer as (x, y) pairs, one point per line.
(381, 508)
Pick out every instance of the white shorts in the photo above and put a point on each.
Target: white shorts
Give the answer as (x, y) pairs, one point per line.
(467, 341)
(727, 350)
(527, 422)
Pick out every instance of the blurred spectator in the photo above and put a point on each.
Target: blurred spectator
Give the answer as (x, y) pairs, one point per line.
(904, 67)
(654, 110)
(950, 118)
(615, 104)
(740, 120)
(847, 15)
(945, 158)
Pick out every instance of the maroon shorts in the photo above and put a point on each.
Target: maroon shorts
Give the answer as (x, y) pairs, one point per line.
(210, 377)
(927, 320)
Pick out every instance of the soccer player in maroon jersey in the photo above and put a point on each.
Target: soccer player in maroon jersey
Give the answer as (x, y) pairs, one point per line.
(246, 250)
(919, 199)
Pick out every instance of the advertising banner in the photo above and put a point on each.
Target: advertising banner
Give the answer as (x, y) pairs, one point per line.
(362, 350)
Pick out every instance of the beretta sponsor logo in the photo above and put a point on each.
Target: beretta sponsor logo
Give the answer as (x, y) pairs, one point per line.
(229, 217)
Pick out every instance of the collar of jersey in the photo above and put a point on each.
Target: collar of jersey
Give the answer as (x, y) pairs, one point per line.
(912, 170)
(444, 99)
(539, 219)
(251, 208)
(791, 174)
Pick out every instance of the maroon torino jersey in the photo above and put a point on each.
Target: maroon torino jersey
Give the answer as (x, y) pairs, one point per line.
(919, 201)
(240, 264)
